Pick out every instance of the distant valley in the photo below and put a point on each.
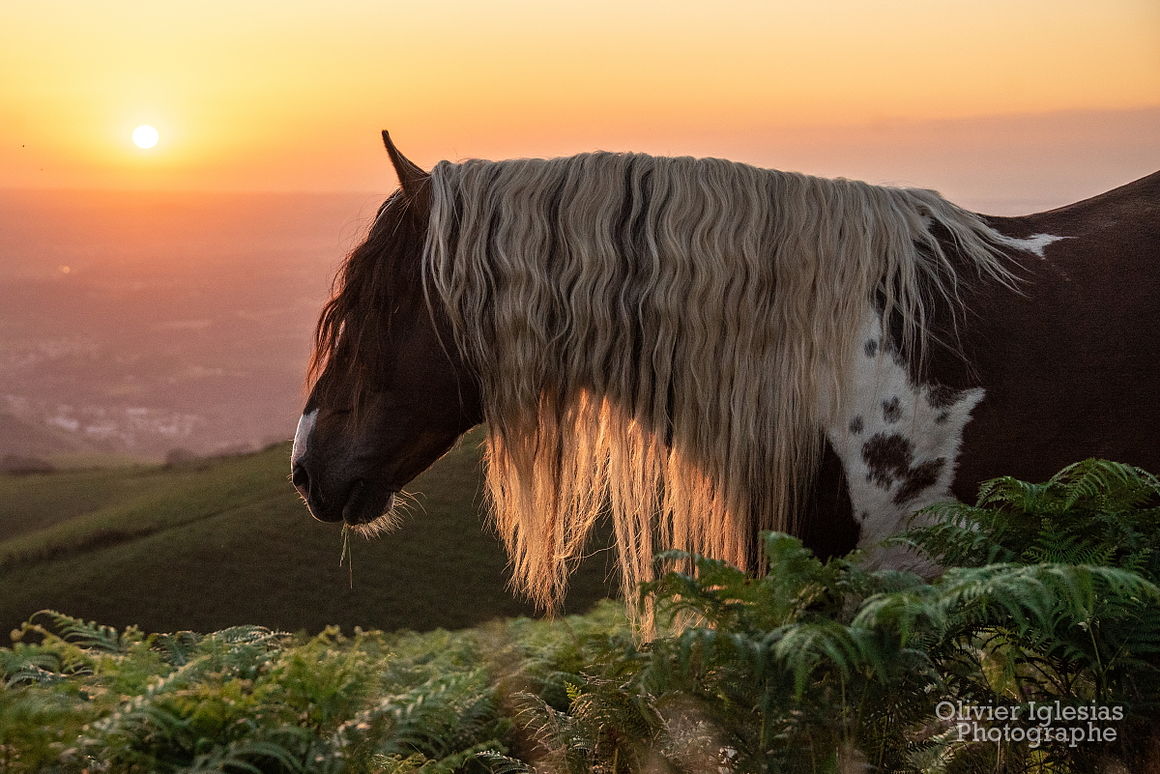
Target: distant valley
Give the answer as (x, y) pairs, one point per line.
(141, 324)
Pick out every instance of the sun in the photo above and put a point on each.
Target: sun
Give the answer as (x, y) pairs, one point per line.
(145, 136)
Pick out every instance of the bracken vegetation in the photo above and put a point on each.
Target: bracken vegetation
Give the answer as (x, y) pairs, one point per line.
(1050, 605)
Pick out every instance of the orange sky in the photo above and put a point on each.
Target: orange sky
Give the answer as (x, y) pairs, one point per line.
(1000, 98)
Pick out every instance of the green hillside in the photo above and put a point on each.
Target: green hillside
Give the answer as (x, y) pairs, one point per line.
(227, 542)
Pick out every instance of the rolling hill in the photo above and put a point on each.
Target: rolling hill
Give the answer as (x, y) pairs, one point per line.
(226, 541)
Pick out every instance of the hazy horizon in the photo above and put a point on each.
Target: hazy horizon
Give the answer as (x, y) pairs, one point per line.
(999, 165)
(141, 323)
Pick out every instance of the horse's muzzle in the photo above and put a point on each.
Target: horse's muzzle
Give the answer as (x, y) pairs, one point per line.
(308, 489)
(361, 503)
(366, 501)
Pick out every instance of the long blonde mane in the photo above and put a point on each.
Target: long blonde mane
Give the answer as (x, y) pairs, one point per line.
(662, 340)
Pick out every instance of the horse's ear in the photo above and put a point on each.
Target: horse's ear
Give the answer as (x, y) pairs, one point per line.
(412, 179)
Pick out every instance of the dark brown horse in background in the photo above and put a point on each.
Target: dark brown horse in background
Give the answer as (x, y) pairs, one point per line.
(1016, 377)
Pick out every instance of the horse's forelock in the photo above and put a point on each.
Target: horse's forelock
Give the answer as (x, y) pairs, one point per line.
(353, 329)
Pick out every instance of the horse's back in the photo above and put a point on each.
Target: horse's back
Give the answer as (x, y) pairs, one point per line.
(1070, 362)
(1127, 218)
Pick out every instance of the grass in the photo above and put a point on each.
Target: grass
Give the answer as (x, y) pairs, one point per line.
(227, 541)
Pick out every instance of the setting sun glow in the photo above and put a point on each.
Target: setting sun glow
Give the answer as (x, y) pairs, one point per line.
(1057, 98)
(145, 136)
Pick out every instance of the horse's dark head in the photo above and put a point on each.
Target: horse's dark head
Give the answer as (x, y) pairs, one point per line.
(390, 394)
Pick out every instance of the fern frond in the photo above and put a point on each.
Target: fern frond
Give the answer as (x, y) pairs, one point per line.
(497, 763)
(87, 634)
(1113, 484)
(281, 747)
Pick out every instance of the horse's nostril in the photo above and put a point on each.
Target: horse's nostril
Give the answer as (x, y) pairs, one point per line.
(300, 478)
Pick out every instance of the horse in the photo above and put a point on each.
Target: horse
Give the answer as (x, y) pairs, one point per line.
(699, 350)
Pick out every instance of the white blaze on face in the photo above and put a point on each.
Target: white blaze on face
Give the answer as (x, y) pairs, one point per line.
(305, 426)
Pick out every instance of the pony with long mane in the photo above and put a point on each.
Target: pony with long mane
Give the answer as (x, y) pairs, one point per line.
(699, 350)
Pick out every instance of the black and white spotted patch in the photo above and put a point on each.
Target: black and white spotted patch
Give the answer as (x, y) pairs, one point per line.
(898, 443)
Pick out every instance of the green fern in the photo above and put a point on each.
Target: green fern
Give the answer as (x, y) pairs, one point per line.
(1091, 512)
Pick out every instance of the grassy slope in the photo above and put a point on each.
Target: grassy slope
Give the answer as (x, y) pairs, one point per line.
(228, 542)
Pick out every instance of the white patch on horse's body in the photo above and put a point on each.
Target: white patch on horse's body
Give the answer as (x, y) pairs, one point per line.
(305, 426)
(898, 443)
(1036, 243)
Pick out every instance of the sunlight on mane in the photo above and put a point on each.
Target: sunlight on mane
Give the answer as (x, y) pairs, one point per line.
(653, 341)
